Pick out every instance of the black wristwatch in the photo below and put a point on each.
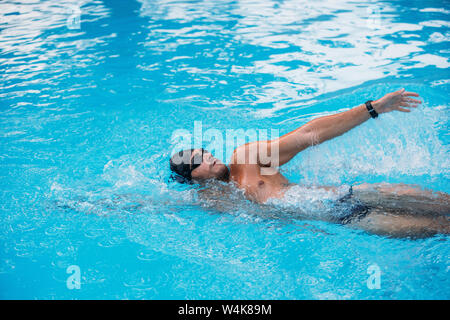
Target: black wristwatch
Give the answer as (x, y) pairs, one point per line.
(371, 110)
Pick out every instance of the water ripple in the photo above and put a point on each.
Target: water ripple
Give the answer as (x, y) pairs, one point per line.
(86, 118)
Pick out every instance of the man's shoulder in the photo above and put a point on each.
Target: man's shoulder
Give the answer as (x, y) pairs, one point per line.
(241, 169)
(245, 155)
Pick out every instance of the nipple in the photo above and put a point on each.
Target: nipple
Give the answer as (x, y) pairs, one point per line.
(260, 183)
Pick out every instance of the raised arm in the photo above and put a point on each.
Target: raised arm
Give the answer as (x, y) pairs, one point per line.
(328, 127)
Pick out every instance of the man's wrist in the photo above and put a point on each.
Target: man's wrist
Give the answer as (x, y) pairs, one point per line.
(376, 106)
(373, 113)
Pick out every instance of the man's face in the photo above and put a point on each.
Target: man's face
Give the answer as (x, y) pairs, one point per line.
(209, 168)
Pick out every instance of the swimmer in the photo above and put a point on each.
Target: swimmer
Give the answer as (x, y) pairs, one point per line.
(391, 209)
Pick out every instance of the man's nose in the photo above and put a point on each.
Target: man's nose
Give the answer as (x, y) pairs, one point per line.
(209, 158)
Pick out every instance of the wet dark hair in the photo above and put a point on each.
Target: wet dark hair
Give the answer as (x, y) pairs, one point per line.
(182, 166)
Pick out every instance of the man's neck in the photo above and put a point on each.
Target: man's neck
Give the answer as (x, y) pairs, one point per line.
(226, 177)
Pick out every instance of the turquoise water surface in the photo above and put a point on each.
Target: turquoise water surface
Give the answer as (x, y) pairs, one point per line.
(87, 112)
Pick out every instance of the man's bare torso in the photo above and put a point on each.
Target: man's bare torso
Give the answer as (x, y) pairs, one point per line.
(258, 187)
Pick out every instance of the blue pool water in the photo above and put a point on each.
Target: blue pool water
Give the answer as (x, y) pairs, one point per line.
(86, 118)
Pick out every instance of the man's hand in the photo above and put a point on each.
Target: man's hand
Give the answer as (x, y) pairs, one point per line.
(398, 100)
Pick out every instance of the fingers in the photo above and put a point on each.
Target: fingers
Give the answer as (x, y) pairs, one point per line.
(408, 102)
(407, 93)
(408, 105)
(403, 109)
(411, 100)
(410, 94)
